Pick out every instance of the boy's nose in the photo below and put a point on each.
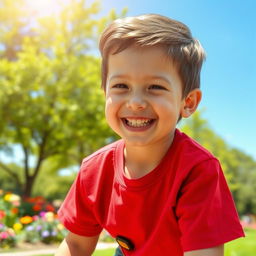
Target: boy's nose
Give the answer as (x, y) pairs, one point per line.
(136, 102)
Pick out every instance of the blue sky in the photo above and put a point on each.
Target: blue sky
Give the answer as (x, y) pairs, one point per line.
(227, 31)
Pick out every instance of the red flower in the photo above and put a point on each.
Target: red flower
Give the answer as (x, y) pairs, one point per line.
(2, 214)
(49, 208)
(39, 199)
(29, 199)
(15, 210)
(37, 207)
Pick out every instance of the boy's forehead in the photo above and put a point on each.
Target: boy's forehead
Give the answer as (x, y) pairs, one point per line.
(139, 49)
(152, 59)
(135, 54)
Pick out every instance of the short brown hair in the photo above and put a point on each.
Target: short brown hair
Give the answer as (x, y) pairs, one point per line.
(152, 29)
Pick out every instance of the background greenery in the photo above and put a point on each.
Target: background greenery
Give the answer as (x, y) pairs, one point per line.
(242, 247)
(52, 107)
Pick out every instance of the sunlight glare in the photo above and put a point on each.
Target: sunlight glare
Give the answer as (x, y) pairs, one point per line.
(45, 7)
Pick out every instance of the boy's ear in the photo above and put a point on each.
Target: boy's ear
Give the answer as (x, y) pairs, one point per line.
(190, 103)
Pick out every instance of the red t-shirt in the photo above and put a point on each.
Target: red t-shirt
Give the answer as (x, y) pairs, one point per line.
(183, 204)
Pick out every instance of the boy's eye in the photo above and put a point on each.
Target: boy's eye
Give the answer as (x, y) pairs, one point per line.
(120, 86)
(157, 87)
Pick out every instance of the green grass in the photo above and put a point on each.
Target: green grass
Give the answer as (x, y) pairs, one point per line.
(106, 252)
(243, 246)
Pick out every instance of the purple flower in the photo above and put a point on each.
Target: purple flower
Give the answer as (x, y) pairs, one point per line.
(38, 227)
(29, 228)
(45, 233)
(54, 233)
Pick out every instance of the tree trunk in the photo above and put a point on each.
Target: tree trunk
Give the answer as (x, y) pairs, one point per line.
(28, 186)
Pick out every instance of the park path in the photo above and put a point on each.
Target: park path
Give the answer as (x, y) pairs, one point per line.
(52, 250)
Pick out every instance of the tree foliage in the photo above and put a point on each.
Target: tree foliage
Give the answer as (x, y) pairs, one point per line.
(239, 168)
(50, 99)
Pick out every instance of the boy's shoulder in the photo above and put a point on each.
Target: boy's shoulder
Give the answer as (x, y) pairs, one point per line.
(193, 160)
(187, 146)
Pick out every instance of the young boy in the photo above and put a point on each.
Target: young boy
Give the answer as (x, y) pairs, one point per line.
(156, 190)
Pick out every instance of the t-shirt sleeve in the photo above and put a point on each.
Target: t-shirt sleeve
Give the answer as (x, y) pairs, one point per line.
(76, 212)
(205, 209)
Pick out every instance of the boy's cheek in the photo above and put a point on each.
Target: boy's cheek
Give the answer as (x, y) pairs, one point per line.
(109, 111)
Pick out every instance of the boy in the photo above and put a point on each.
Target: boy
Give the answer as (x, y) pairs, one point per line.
(156, 190)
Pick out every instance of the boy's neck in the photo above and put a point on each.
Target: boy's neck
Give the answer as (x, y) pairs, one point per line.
(139, 160)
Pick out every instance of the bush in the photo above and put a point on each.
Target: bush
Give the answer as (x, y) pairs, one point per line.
(7, 237)
(44, 227)
(30, 220)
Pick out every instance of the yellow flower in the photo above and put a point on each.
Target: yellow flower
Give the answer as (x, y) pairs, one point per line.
(7, 197)
(17, 226)
(60, 226)
(11, 197)
(49, 216)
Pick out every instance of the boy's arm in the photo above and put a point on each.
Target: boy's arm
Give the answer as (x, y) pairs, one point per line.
(75, 245)
(215, 251)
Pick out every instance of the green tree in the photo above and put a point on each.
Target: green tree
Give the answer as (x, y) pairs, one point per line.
(198, 128)
(51, 103)
(245, 176)
(239, 168)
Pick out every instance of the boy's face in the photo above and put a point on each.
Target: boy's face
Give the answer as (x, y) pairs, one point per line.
(143, 96)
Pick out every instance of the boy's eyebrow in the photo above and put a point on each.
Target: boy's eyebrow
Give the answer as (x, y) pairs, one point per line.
(160, 77)
(151, 77)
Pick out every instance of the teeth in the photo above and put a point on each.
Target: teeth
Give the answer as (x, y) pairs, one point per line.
(138, 122)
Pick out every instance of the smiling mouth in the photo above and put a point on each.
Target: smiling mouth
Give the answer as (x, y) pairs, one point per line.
(138, 123)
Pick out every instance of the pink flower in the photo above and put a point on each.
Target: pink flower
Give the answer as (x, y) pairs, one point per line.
(16, 203)
(4, 235)
(35, 217)
(41, 214)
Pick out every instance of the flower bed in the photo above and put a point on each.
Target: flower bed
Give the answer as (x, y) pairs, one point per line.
(28, 220)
